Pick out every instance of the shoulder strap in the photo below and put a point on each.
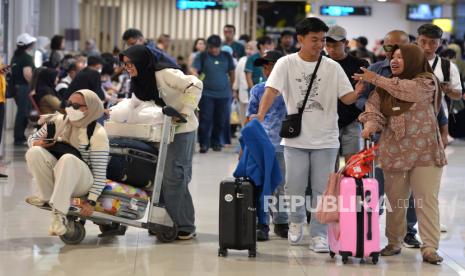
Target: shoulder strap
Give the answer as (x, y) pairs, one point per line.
(90, 132)
(203, 58)
(51, 130)
(445, 67)
(302, 108)
(435, 63)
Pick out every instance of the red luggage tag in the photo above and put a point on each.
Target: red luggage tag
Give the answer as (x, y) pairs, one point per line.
(360, 163)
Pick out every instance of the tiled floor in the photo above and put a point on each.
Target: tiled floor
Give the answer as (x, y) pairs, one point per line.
(25, 248)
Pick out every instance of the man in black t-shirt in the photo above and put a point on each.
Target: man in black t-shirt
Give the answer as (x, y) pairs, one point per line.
(349, 127)
(88, 78)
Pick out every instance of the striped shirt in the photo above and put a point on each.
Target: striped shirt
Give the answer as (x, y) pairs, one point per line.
(96, 157)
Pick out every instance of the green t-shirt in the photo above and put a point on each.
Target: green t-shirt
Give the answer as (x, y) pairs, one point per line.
(17, 65)
(257, 71)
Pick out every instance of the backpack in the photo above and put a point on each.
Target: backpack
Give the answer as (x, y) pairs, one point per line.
(455, 106)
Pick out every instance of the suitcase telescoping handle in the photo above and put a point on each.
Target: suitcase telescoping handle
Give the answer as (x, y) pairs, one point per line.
(369, 143)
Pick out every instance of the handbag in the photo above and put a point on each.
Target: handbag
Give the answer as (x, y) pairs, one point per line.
(324, 213)
(292, 124)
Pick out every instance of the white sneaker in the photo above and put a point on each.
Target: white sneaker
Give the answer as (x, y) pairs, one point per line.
(36, 201)
(296, 233)
(443, 228)
(319, 245)
(59, 223)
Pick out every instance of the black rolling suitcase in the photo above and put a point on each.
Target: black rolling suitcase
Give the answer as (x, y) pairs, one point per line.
(237, 219)
(132, 162)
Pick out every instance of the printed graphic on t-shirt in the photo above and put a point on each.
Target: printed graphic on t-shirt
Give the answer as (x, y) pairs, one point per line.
(304, 82)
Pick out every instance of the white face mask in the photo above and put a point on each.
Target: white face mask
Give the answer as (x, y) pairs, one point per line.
(100, 71)
(73, 114)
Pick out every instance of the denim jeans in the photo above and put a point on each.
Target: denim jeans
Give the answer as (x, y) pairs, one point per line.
(300, 164)
(214, 116)
(281, 216)
(411, 217)
(176, 179)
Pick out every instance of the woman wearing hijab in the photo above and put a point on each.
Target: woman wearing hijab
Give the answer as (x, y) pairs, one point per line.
(45, 94)
(165, 85)
(71, 175)
(411, 152)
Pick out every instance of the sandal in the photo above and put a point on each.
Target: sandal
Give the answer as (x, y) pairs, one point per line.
(432, 257)
(390, 250)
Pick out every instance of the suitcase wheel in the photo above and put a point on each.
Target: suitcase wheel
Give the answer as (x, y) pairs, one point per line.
(332, 254)
(375, 258)
(167, 236)
(222, 252)
(252, 253)
(75, 233)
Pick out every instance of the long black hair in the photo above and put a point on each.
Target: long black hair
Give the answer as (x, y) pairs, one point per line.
(144, 85)
(55, 43)
(45, 82)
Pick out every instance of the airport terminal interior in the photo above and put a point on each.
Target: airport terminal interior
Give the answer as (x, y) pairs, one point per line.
(147, 137)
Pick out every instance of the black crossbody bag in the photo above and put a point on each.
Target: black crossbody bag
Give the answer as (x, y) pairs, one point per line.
(292, 124)
(61, 148)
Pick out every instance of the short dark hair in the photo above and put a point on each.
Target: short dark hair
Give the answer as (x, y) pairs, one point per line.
(107, 69)
(94, 60)
(132, 33)
(287, 33)
(430, 30)
(330, 40)
(310, 24)
(214, 41)
(108, 58)
(244, 37)
(362, 40)
(230, 26)
(263, 40)
(411, 38)
(55, 43)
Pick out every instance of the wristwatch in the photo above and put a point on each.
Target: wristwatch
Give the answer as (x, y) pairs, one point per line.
(92, 203)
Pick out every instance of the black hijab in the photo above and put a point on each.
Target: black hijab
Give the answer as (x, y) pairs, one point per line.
(144, 85)
(46, 82)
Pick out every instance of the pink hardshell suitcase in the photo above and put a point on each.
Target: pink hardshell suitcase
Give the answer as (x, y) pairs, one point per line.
(357, 232)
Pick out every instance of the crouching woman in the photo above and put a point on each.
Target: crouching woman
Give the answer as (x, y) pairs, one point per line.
(68, 158)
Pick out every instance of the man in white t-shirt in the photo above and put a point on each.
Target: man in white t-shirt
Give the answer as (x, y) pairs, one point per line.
(429, 39)
(313, 153)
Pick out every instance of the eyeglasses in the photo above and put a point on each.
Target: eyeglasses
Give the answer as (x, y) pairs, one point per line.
(74, 105)
(128, 64)
(389, 48)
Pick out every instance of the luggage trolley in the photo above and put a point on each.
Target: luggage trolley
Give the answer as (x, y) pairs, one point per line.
(159, 222)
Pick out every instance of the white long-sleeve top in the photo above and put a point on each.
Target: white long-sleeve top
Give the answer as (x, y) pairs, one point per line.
(182, 92)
